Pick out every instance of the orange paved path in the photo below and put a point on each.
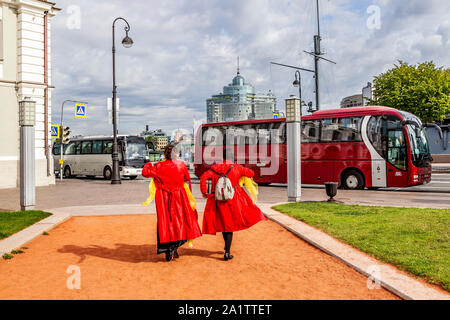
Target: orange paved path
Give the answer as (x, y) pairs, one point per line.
(117, 259)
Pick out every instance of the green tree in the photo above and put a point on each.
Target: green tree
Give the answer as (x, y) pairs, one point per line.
(422, 90)
(151, 142)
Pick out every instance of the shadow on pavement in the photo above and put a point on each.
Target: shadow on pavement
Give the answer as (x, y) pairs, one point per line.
(132, 253)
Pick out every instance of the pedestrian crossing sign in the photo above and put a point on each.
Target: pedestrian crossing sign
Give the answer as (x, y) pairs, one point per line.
(276, 115)
(80, 111)
(55, 131)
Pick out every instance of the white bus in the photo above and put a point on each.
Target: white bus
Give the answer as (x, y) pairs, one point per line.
(92, 156)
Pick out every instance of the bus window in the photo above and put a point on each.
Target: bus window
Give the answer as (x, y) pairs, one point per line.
(340, 130)
(330, 131)
(97, 147)
(377, 132)
(56, 149)
(397, 155)
(72, 148)
(107, 147)
(310, 131)
(86, 147)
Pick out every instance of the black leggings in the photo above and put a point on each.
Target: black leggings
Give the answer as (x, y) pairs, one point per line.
(228, 238)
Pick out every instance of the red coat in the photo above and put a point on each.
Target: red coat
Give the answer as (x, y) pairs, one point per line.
(236, 214)
(176, 219)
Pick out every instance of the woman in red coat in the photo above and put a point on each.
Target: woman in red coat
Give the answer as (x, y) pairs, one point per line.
(177, 221)
(237, 214)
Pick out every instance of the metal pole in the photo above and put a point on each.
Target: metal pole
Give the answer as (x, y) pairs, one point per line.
(317, 53)
(294, 176)
(115, 179)
(27, 168)
(316, 69)
(61, 156)
(294, 161)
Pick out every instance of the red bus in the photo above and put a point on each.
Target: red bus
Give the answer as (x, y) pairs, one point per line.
(368, 147)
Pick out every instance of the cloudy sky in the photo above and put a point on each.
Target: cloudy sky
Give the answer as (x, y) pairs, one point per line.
(186, 50)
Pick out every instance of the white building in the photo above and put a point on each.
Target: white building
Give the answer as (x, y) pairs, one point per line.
(25, 66)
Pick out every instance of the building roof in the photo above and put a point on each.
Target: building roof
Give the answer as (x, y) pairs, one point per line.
(238, 80)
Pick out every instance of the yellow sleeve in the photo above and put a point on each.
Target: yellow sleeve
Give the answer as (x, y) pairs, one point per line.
(152, 192)
(251, 186)
(190, 197)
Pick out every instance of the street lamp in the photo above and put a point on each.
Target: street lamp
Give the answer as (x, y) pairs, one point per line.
(27, 121)
(293, 123)
(298, 83)
(127, 42)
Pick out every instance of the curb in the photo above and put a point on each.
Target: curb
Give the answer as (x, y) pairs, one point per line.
(21, 238)
(386, 275)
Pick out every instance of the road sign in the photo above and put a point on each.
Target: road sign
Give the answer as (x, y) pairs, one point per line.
(80, 111)
(61, 161)
(109, 106)
(276, 115)
(55, 131)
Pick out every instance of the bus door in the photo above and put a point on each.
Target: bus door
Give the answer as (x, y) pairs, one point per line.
(271, 165)
(397, 156)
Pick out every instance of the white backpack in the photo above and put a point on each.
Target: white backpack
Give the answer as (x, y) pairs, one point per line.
(224, 188)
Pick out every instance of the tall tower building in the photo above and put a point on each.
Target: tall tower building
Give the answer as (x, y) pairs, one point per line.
(239, 102)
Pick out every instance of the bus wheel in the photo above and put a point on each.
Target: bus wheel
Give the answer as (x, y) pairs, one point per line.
(107, 173)
(353, 180)
(67, 172)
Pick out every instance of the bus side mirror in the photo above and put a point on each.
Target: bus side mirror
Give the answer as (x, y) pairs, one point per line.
(433, 125)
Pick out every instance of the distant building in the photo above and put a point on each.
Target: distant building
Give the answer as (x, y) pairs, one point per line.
(352, 101)
(25, 71)
(160, 139)
(239, 102)
(358, 100)
(367, 93)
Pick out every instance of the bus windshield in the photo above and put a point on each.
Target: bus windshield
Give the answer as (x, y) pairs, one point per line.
(136, 150)
(420, 148)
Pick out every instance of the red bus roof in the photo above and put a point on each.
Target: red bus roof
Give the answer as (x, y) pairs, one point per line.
(356, 110)
(345, 112)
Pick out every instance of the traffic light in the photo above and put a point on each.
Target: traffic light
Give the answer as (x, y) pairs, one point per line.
(66, 135)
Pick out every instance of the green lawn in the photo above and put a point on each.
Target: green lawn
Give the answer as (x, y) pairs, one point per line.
(415, 240)
(12, 222)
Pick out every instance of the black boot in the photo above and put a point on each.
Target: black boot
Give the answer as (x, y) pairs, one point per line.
(168, 256)
(227, 256)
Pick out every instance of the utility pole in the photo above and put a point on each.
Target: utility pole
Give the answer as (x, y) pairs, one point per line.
(317, 56)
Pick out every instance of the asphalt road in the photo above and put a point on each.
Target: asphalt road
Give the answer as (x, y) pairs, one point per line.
(440, 184)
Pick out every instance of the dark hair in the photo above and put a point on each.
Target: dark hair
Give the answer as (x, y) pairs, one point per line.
(168, 151)
(228, 154)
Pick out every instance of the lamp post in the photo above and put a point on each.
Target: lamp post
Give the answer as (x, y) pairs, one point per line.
(127, 42)
(293, 120)
(298, 83)
(27, 121)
